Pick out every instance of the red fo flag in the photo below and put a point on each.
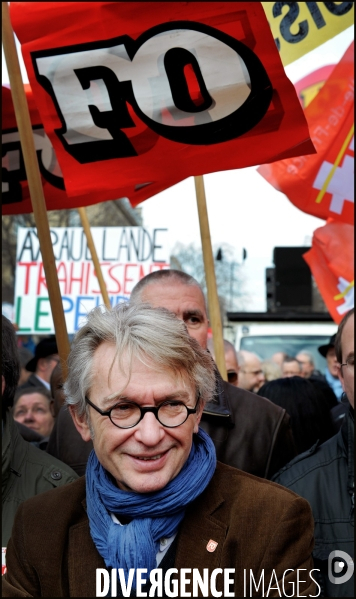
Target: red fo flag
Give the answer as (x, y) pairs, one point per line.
(323, 184)
(331, 260)
(15, 192)
(133, 93)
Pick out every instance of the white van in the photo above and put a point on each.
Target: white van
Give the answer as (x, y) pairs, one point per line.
(267, 338)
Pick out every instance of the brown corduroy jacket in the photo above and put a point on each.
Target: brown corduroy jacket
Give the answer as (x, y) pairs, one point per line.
(258, 526)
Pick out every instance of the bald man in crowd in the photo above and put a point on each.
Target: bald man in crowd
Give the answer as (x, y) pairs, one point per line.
(251, 376)
(248, 431)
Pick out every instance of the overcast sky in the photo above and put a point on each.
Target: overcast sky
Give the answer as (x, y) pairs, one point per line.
(244, 210)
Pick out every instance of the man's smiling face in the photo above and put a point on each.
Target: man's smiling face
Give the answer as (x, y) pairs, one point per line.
(148, 456)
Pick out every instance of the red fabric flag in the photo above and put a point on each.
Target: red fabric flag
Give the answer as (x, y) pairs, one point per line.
(310, 85)
(15, 192)
(133, 92)
(331, 260)
(323, 184)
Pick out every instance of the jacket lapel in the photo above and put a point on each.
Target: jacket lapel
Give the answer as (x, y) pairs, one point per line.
(201, 526)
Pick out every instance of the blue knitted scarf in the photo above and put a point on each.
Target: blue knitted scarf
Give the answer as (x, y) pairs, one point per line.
(155, 515)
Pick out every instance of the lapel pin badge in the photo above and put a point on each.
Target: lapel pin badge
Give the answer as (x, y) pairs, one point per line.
(211, 546)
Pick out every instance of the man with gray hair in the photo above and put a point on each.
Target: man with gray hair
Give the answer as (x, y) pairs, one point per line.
(154, 504)
(291, 367)
(306, 359)
(249, 432)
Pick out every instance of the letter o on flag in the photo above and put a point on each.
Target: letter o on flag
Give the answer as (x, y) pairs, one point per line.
(236, 89)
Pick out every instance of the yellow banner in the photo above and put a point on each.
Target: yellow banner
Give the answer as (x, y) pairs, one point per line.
(299, 27)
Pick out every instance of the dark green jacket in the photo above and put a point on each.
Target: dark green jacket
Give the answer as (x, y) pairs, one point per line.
(26, 471)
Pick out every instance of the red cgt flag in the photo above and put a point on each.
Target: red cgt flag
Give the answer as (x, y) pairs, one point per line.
(133, 93)
(331, 260)
(15, 192)
(323, 184)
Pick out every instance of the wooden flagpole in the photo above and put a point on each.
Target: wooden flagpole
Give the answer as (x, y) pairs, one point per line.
(213, 301)
(94, 256)
(35, 186)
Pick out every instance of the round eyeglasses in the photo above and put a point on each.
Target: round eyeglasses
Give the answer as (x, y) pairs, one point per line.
(349, 364)
(128, 414)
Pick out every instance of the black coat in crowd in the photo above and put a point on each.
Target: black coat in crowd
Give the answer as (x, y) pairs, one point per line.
(324, 475)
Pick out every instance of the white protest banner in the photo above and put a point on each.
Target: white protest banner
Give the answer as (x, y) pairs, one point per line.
(126, 255)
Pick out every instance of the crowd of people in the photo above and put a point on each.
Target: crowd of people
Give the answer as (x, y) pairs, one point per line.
(168, 448)
(314, 401)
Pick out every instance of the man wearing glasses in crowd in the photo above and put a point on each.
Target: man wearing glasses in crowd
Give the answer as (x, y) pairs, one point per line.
(251, 376)
(154, 496)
